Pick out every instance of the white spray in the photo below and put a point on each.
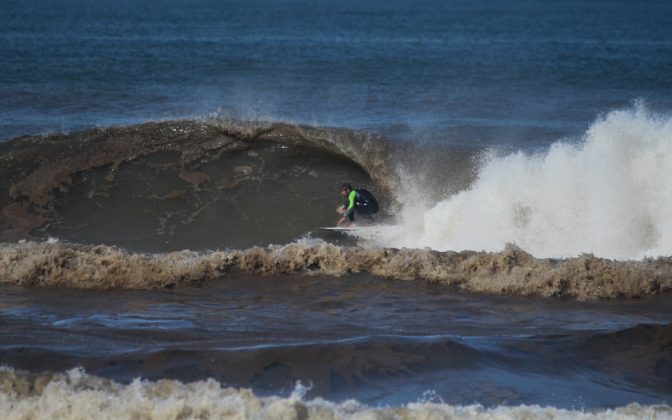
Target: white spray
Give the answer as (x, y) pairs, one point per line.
(610, 195)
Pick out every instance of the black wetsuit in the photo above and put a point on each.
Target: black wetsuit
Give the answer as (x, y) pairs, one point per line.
(363, 201)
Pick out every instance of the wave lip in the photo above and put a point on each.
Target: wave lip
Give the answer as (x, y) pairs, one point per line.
(509, 271)
(77, 394)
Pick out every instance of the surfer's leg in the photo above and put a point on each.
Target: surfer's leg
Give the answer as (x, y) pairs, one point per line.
(365, 215)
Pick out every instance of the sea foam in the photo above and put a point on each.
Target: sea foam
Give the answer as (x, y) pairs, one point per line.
(75, 394)
(509, 271)
(609, 195)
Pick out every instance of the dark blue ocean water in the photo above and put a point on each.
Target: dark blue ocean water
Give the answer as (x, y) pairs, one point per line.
(470, 72)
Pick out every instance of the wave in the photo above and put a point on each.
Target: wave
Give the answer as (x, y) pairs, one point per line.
(336, 368)
(512, 270)
(157, 178)
(196, 184)
(77, 394)
(618, 362)
(173, 185)
(609, 195)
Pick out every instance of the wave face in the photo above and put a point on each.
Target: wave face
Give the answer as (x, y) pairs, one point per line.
(200, 184)
(75, 394)
(610, 195)
(188, 184)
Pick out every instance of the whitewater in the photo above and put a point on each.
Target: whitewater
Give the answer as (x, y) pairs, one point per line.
(75, 394)
(608, 194)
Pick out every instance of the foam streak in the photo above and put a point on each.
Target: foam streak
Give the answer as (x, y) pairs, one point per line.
(509, 271)
(75, 394)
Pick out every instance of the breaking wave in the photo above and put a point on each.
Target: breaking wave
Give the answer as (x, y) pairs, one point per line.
(75, 394)
(177, 182)
(159, 187)
(609, 195)
(512, 270)
(196, 184)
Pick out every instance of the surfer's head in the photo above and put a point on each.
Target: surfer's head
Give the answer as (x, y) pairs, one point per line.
(345, 189)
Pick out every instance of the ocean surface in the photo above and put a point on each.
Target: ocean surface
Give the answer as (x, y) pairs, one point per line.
(166, 167)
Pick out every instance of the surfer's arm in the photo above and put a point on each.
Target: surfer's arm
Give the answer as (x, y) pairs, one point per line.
(348, 208)
(350, 205)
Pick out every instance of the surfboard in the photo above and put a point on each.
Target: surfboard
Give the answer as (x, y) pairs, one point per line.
(348, 229)
(338, 228)
(361, 232)
(369, 228)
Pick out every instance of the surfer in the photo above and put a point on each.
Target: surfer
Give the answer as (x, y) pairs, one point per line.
(360, 200)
